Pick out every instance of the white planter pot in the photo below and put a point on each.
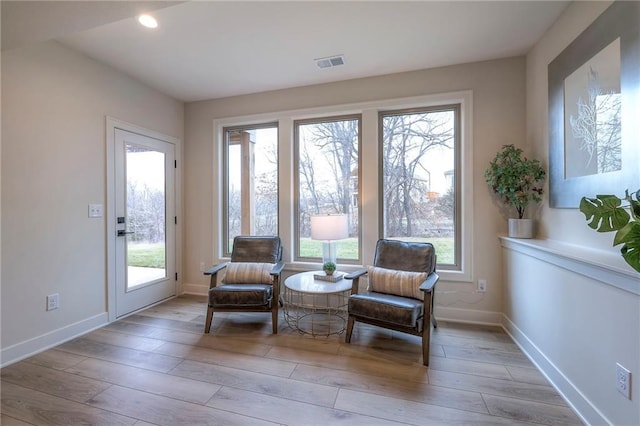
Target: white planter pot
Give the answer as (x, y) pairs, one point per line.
(521, 228)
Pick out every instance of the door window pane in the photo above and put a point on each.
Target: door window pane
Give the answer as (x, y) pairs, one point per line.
(145, 215)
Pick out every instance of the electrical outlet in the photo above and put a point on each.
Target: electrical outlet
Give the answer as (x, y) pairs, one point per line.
(201, 266)
(53, 301)
(482, 286)
(95, 210)
(623, 381)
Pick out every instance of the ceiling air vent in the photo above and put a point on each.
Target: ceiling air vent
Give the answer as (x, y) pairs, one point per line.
(332, 61)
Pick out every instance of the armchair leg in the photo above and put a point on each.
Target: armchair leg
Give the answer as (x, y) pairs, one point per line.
(433, 312)
(347, 337)
(427, 319)
(426, 340)
(207, 322)
(274, 319)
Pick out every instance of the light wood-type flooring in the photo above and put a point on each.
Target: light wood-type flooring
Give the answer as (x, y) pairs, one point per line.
(157, 367)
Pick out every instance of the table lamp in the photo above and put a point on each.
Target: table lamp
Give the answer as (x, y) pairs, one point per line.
(329, 228)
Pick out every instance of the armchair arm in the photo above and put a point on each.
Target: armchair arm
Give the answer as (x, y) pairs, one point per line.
(214, 273)
(355, 276)
(216, 269)
(277, 269)
(430, 282)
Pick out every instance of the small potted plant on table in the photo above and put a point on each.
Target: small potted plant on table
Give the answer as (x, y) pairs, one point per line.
(329, 268)
(518, 182)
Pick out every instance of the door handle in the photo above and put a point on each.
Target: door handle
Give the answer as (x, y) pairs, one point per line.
(123, 233)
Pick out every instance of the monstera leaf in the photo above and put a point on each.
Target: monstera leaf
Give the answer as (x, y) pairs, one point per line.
(630, 237)
(605, 213)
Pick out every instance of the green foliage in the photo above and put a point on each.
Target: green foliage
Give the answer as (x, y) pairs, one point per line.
(348, 248)
(328, 266)
(606, 213)
(146, 255)
(517, 180)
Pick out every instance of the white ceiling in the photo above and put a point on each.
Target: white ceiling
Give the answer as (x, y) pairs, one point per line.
(213, 49)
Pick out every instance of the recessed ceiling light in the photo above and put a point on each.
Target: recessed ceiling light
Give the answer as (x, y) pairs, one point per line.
(148, 21)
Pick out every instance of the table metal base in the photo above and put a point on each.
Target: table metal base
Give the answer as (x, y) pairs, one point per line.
(317, 313)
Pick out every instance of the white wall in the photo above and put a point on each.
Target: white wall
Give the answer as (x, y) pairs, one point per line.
(499, 118)
(54, 104)
(575, 326)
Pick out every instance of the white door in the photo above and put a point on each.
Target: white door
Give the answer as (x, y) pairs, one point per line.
(145, 252)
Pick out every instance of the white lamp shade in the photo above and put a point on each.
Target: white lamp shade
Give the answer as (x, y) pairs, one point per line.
(329, 227)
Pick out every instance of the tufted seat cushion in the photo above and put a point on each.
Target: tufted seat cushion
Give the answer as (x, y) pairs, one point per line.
(398, 310)
(243, 295)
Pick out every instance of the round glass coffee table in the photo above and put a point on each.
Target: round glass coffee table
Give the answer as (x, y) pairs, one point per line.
(316, 307)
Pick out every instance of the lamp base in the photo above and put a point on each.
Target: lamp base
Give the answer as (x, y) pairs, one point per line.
(329, 252)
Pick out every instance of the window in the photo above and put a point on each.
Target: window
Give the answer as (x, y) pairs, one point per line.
(419, 154)
(397, 168)
(251, 187)
(327, 182)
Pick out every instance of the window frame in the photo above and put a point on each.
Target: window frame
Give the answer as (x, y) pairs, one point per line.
(296, 184)
(368, 173)
(457, 181)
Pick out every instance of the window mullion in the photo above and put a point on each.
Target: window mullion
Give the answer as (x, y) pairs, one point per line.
(370, 185)
(286, 187)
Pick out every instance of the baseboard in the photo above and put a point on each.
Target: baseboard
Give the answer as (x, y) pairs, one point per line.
(195, 289)
(470, 316)
(587, 412)
(46, 341)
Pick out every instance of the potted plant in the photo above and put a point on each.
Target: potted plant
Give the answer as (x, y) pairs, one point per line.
(607, 213)
(329, 268)
(518, 182)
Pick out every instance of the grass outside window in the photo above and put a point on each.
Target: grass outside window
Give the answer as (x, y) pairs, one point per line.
(348, 248)
(146, 255)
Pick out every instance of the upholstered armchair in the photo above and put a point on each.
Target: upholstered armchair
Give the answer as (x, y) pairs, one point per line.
(401, 291)
(251, 282)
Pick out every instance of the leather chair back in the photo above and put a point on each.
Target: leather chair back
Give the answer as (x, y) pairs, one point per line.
(406, 256)
(256, 249)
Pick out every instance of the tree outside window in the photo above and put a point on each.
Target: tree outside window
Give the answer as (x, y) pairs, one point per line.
(419, 149)
(328, 181)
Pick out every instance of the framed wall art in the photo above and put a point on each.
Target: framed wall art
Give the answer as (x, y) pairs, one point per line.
(594, 110)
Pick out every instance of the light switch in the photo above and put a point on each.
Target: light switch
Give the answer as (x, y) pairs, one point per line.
(95, 210)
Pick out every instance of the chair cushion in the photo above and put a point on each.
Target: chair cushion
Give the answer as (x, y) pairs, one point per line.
(240, 295)
(400, 283)
(386, 307)
(248, 273)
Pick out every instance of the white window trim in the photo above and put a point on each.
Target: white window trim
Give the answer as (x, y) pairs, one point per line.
(370, 173)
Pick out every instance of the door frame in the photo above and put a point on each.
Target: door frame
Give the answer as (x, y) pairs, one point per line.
(110, 214)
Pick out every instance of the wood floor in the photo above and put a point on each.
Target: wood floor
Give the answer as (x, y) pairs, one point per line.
(157, 367)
